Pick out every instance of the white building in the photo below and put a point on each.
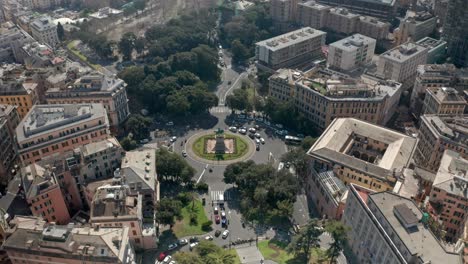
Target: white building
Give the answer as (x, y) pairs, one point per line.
(388, 228)
(400, 63)
(45, 31)
(351, 52)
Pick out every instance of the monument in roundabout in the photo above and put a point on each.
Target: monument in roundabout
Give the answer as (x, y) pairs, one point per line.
(220, 146)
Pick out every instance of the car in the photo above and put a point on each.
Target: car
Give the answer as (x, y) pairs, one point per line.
(224, 223)
(217, 233)
(252, 136)
(217, 219)
(257, 135)
(216, 211)
(173, 139)
(257, 147)
(225, 234)
(209, 237)
(170, 123)
(262, 140)
(220, 47)
(233, 129)
(279, 132)
(252, 130)
(257, 127)
(284, 131)
(172, 246)
(243, 131)
(257, 141)
(193, 239)
(267, 122)
(229, 82)
(287, 165)
(223, 214)
(162, 256)
(167, 259)
(173, 262)
(194, 244)
(144, 141)
(184, 153)
(183, 241)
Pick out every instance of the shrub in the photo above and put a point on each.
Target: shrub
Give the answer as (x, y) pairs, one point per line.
(206, 226)
(202, 187)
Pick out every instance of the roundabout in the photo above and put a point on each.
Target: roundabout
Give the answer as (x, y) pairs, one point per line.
(219, 148)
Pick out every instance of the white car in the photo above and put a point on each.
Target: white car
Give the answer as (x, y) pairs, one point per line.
(183, 242)
(262, 140)
(170, 123)
(252, 130)
(223, 214)
(233, 129)
(242, 131)
(173, 139)
(209, 237)
(191, 246)
(167, 259)
(257, 135)
(257, 141)
(225, 234)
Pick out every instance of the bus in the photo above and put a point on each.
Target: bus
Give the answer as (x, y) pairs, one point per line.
(292, 140)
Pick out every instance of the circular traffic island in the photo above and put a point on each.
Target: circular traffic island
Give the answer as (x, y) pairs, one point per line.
(219, 147)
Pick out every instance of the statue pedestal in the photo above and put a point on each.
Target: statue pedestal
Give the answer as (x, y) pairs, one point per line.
(220, 147)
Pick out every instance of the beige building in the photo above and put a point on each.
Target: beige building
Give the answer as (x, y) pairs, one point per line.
(388, 228)
(322, 96)
(33, 241)
(443, 101)
(342, 20)
(448, 201)
(400, 63)
(18, 93)
(437, 134)
(312, 14)
(9, 120)
(95, 88)
(283, 12)
(45, 31)
(294, 49)
(362, 153)
(373, 27)
(49, 129)
(415, 26)
(351, 52)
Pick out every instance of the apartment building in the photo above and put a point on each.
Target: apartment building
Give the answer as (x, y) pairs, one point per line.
(351, 52)
(448, 200)
(400, 63)
(456, 32)
(114, 206)
(361, 153)
(95, 88)
(322, 96)
(283, 12)
(328, 193)
(373, 27)
(37, 242)
(43, 194)
(415, 26)
(436, 49)
(443, 101)
(49, 129)
(312, 14)
(437, 134)
(341, 20)
(385, 9)
(9, 120)
(11, 39)
(290, 50)
(21, 94)
(388, 228)
(45, 31)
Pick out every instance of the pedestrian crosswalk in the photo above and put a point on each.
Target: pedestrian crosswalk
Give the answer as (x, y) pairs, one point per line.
(218, 195)
(220, 109)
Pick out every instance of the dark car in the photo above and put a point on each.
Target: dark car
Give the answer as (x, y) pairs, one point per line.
(252, 136)
(224, 222)
(193, 239)
(258, 147)
(217, 219)
(217, 233)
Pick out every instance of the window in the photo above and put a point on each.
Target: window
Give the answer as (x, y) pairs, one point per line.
(134, 232)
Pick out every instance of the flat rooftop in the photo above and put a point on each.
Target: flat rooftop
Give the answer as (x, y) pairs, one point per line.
(403, 52)
(43, 23)
(415, 236)
(340, 135)
(315, 5)
(446, 95)
(45, 118)
(112, 202)
(453, 128)
(340, 11)
(353, 42)
(291, 38)
(96, 147)
(139, 166)
(431, 43)
(452, 175)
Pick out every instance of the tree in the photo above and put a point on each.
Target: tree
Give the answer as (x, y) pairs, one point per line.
(139, 4)
(239, 52)
(239, 100)
(187, 258)
(132, 76)
(298, 159)
(172, 166)
(177, 104)
(139, 45)
(128, 144)
(60, 32)
(127, 44)
(138, 125)
(307, 238)
(167, 211)
(307, 143)
(339, 234)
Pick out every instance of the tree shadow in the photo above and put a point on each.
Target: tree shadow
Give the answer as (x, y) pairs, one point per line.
(165, 238)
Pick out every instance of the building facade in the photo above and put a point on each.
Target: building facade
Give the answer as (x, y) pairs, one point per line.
(436, 49)
(400, 64)
(456, 32)
(415, 26)
(385, 9)
(312, 14)
(283, 12)
(388, 228)
(21, 94)
(95, 88)
(361, 153)
(49, 129)
(448, 200)
(443, 101)
(341, 20)
(9, 120)
(351, 52)
(292, 49)
(437, 134)
(45, 31)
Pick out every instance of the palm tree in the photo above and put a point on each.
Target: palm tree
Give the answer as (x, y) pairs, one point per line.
(306, 239)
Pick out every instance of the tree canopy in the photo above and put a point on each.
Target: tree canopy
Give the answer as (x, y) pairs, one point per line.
(171, 166)
(167, 210)
(208, 253)
(307, 238)
(267, 195)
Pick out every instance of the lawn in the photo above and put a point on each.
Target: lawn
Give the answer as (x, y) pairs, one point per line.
(276, 251)
(184, 228)
(241, 148)
(72, 47)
